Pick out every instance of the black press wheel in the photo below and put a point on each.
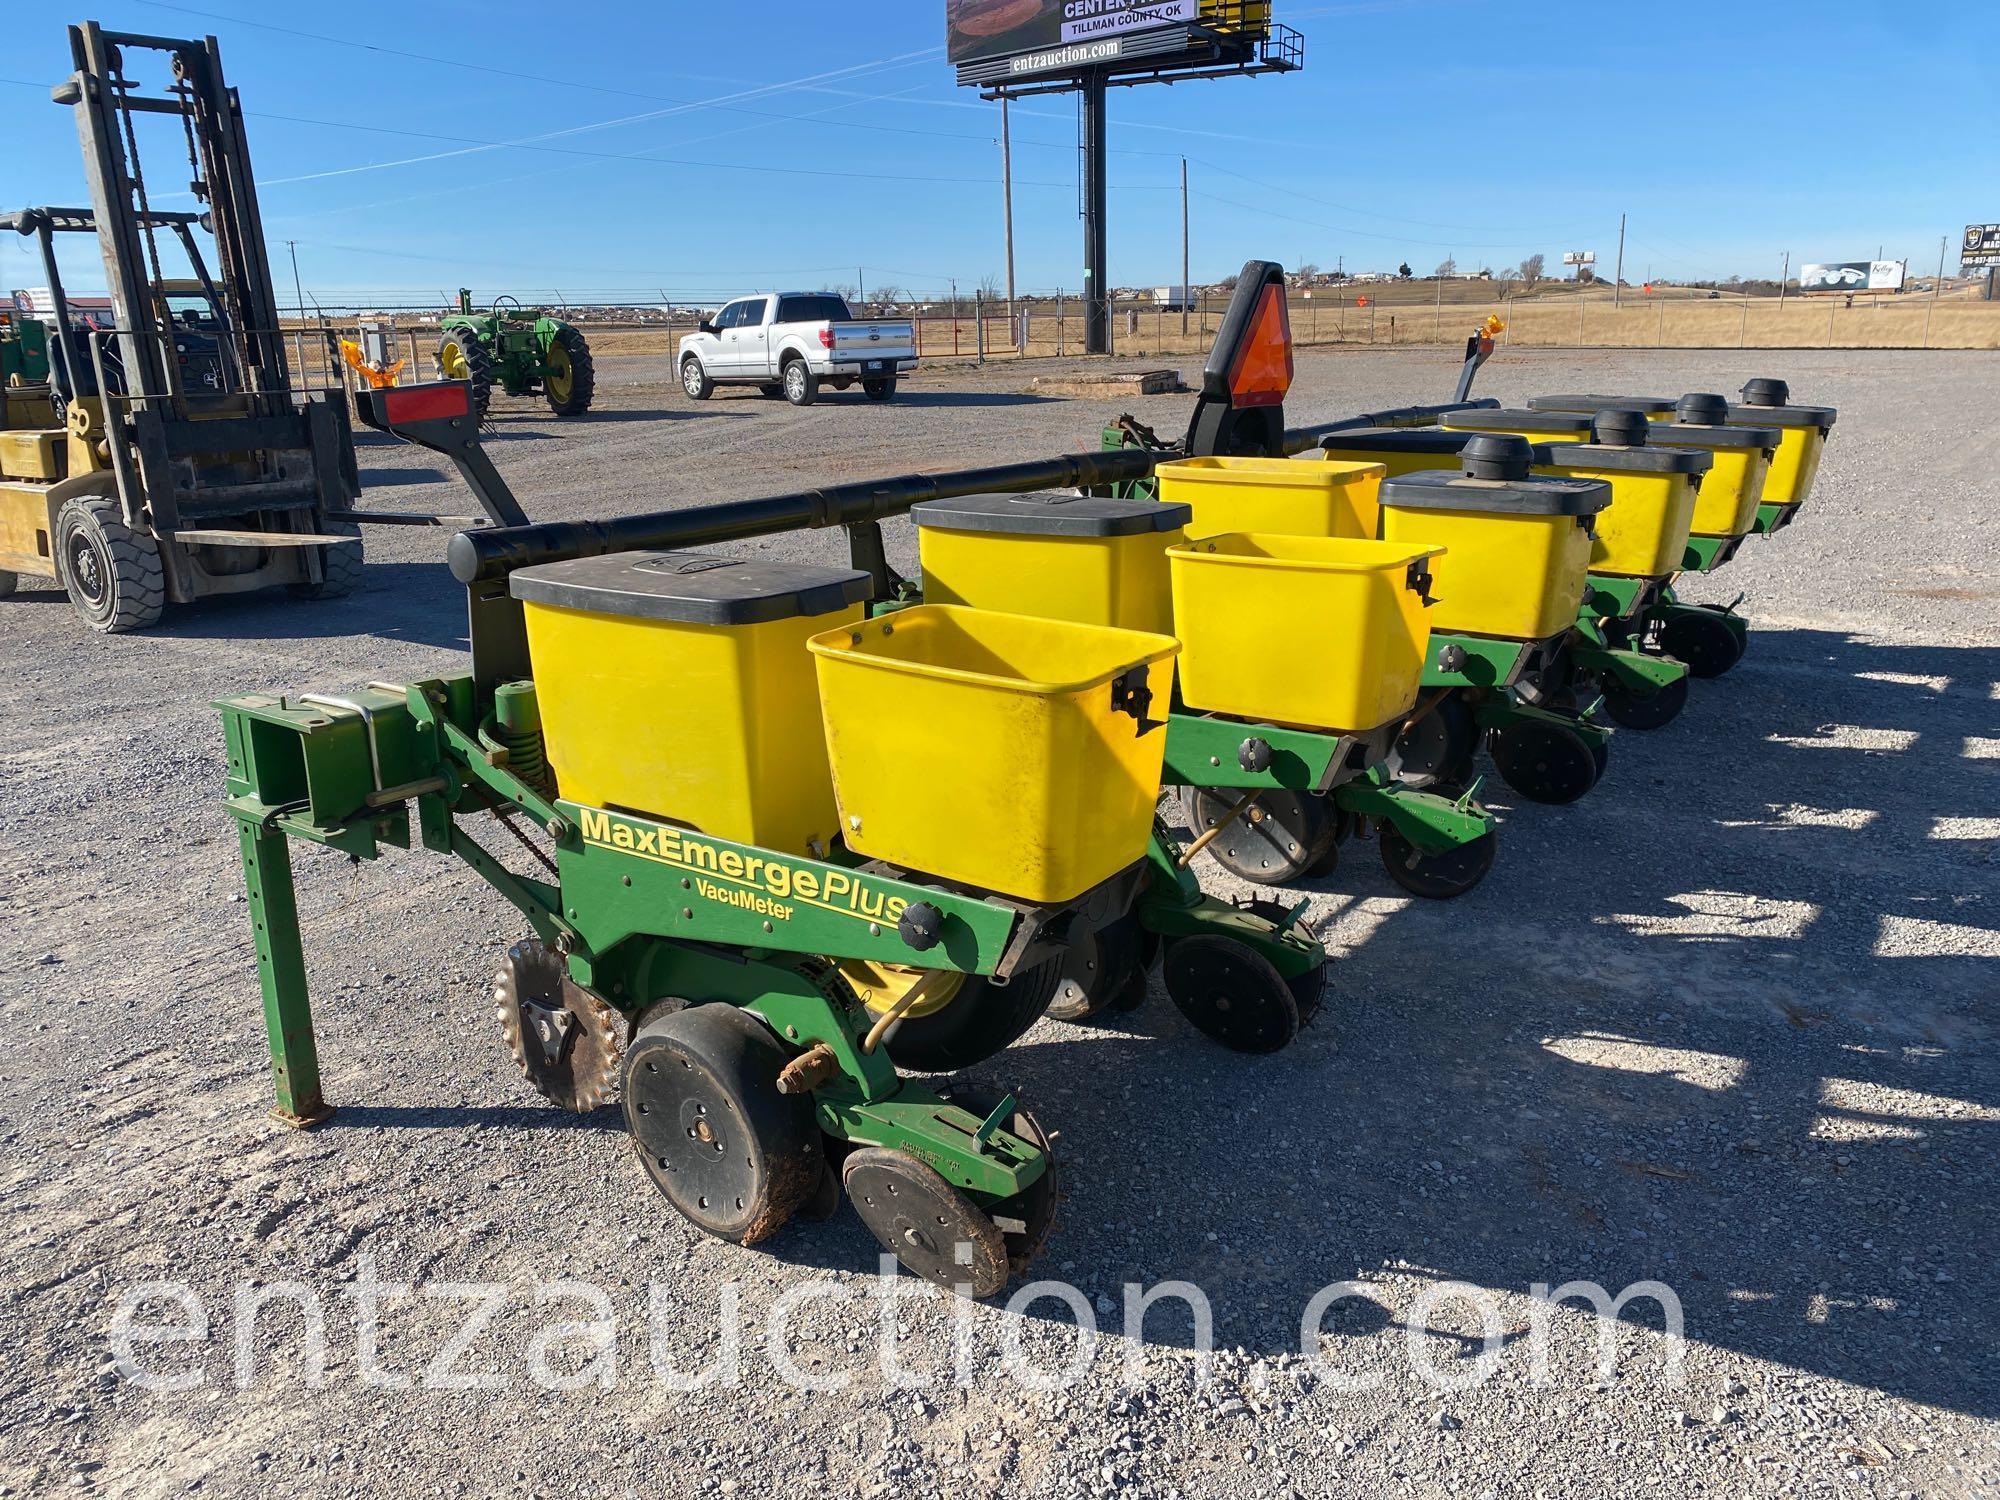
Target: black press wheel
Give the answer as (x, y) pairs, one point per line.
(930, 1226)
(732, 1154)
(694, 379)
(801, 385)
(461, 356)
(1654, 711)
(1703, 641)
(879, 390)
(1280, 837)
(1024, 1220)
(1548, 763)
(1436, 877)
(1232, 993)
(980, 1019)
(112, 573)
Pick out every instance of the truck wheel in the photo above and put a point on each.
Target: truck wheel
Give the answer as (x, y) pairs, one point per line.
(801, 385)
(879, 390)
(113, 574)
(461, 356)
(694, 379)
(341, 564)
(572, 378)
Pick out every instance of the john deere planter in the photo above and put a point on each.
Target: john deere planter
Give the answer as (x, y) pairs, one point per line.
(523, 353)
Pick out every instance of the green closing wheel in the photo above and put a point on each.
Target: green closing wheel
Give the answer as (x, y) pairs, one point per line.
(733, 1155)
(1024, 1220)
(1703, 641)
(1652, 711)
(1549, 763)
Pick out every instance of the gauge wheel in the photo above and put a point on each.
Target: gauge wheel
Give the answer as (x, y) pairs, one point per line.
(734, 1156)
(1279, 838)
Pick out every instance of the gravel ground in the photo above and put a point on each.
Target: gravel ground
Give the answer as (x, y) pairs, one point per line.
(1726, 1025)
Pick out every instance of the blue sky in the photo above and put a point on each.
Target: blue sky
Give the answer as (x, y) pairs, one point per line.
(789, 142)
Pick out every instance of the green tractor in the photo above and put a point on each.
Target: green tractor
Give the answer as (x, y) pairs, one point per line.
(523, 353)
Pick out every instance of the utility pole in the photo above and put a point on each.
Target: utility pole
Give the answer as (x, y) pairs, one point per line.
(1185, 291)
(1784, 278)
(860, 286)
(1937, 284)
(297, 291)
(1618, 275)
(1007, 192)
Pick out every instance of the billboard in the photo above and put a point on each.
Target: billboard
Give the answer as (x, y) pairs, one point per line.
(1981, 247)
(1852, 276)
(998, 28)
(1579, 257)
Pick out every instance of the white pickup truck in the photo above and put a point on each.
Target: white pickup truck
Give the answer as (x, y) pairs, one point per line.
(792, 343)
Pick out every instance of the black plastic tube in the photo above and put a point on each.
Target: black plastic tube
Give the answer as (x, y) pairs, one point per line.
(480, 555)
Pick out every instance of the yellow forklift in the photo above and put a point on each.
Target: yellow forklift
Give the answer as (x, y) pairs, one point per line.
(162, 455)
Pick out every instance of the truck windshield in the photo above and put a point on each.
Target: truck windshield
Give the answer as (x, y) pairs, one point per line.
(815, 308)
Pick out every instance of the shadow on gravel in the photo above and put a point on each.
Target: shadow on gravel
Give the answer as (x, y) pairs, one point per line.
(399, 601)
(1725, 1024)
(971, 398)
(375, 479)
(457, 1118)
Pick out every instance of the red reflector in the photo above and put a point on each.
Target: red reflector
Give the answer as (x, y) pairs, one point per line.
(1263, 370)
(425, 403)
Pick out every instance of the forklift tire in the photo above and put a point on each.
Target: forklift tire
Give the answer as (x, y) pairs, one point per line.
(801, 385)
(460, 356)
(694, 379)
(112, 573)
(879, 390)
(340, 565)
(732, 1154)
(983, 1018)
(582, 385)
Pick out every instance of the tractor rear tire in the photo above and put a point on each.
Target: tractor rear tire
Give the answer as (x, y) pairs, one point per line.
(473, 363)
(694, 379)
(340, 564)
(801, 385)
(582, 374)
(112, 573)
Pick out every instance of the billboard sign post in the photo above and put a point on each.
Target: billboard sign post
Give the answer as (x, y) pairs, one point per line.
(1011, 48)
